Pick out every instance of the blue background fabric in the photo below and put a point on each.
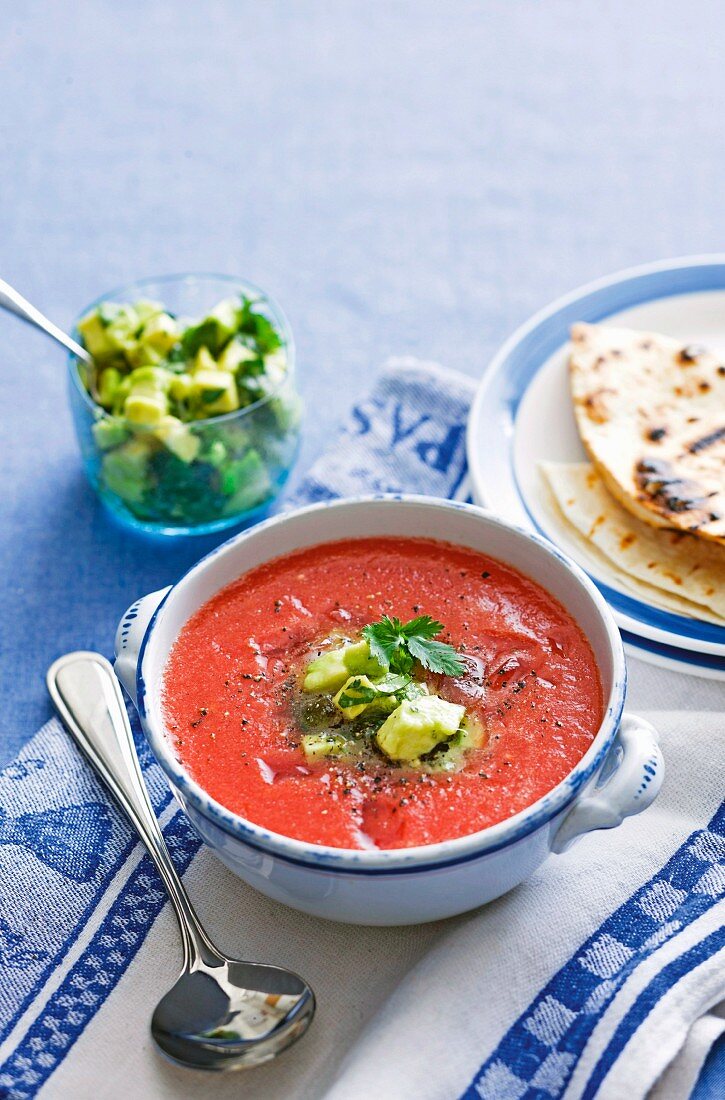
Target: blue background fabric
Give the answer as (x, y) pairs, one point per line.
(404, 176)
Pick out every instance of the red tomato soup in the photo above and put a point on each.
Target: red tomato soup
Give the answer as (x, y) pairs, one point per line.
(236, 714)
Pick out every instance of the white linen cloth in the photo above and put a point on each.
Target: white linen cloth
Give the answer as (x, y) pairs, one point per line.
(600, 976)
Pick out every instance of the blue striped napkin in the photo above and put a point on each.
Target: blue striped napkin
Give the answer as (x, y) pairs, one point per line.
(601, 974)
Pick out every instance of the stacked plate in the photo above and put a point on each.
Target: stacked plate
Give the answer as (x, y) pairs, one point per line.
(523, 415)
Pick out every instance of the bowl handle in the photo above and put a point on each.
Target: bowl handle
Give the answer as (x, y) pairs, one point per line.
(629, 787)
(130, 635)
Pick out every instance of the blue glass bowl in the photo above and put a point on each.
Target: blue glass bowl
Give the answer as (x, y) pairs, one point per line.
(259, 443)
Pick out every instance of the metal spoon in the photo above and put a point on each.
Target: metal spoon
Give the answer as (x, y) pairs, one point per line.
(15, 303)
(221, 1013)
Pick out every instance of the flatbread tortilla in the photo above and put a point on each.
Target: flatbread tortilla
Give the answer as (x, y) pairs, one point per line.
(651, 415)
(673, 569)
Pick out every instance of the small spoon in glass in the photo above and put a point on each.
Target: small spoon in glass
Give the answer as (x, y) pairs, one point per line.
(221, 1013)
(15, 303)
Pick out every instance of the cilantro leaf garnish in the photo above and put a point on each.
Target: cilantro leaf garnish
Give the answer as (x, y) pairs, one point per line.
(396, 645)
(436, 656)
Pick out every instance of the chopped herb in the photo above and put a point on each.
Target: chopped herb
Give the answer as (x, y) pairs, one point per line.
(397, 645)
(360, 690)
(355, 694)
(208, 397)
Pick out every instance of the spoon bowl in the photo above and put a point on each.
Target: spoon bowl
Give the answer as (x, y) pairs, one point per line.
(221, 1013)
(231, 1015)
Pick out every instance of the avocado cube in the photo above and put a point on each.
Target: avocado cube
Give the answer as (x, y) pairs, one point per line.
(146, 402)
(108, 382)
(319, 745)
(160, 333)
(124, 470)
(235, 354)
(181, 387)
(143, 355)
(357, 658)
(178, 438)
(109, 432)
(119, 397)
(95, 336)
(122, 330)
(417, 726)
(149, 379)
(143, 408)
(329, 671)
(204, 360)
(355, 696)
(216, 391)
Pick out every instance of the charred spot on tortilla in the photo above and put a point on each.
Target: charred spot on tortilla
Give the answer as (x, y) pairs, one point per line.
(596, 405)
(671, 494)
(691, 353)
(656, 434)
(707, 441)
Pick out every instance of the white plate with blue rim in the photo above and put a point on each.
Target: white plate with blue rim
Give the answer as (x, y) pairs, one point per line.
(522, 415)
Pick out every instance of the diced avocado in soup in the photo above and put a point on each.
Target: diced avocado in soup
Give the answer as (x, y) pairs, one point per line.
(399, 717)
(330, 670)
(418, 726)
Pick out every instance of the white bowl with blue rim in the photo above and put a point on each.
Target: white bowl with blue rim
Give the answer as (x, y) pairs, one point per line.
(620, 774)
(522, 415)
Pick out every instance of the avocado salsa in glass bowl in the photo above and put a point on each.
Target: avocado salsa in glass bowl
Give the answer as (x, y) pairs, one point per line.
(188, 417)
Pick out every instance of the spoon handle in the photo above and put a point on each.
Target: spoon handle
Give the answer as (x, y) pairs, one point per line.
(15, 303)
(87, 696)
